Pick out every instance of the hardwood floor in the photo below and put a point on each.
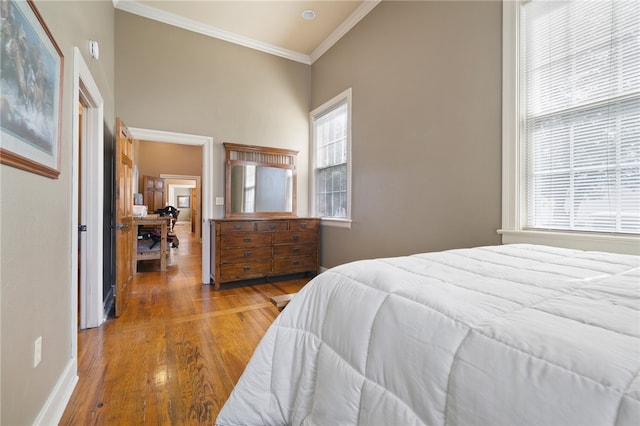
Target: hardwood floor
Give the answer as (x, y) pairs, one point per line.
(175, 354)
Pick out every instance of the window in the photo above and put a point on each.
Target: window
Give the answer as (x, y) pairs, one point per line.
(331, 160)
(571, 135)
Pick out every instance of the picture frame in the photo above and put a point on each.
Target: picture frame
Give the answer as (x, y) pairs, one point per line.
(30, 91)
(184, 201)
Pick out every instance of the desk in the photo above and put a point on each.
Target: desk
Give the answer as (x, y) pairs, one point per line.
(161, 252)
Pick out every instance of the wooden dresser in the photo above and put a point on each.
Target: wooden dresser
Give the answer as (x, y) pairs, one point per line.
(256, 248)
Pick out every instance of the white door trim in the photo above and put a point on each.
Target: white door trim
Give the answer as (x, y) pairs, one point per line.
(86, 91)
(197, 185)
(206, 142)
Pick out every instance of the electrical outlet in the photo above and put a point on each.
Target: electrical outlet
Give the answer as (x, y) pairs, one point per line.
(37, 352)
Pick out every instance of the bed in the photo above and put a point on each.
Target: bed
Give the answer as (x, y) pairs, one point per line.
(501, 335)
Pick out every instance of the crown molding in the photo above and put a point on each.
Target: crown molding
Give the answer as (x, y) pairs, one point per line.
(150, 12)
(168, 137)
(355, 17)
(146, 11)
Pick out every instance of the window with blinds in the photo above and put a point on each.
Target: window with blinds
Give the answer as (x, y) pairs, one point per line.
(331, 160)
(580, 111)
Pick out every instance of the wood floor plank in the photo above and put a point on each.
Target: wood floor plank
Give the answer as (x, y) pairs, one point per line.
(176, 352)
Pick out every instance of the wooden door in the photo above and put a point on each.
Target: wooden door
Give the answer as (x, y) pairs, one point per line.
(124, 215)
(194, 209)
(154, 193)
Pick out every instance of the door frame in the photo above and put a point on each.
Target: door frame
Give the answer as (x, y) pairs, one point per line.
(91, 164)
(206, 142)
(171, 187)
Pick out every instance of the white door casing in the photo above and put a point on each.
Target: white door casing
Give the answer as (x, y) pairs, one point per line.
(86, 95)
(206, 142)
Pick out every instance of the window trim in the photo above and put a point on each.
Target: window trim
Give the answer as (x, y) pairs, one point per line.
(513, 177)
(344, 97)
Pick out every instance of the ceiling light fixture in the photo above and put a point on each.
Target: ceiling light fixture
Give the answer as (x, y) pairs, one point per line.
(309, 14)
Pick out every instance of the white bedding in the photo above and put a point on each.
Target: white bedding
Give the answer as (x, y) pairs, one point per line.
(504, 335)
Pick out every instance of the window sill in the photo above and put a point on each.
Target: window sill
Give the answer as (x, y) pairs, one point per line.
(624, 244)
(337, 223)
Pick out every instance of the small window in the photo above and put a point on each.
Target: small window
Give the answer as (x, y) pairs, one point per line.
(331, 159)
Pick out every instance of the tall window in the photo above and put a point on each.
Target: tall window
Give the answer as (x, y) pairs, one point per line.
(580, 115)
(331, 159)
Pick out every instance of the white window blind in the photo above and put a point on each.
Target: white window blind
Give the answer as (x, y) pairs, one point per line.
(331, 130)
(580, 88)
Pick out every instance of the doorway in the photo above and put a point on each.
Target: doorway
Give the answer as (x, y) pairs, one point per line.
(207, 198)
(86, 201)
(82, 241)
(188, 189)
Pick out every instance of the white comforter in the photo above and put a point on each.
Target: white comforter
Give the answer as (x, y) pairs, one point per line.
(505, 335)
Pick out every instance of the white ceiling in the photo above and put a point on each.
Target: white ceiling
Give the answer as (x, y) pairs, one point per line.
(275, 27)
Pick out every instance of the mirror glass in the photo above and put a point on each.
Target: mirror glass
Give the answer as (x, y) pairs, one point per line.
(260, 189)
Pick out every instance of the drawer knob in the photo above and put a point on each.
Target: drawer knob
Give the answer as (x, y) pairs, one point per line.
(246, 268)
(247, 240)
(296, 237)
(237, 227)
(295, 249)
(272, 226)
(303, 225)
(247, 253)
(296, 262)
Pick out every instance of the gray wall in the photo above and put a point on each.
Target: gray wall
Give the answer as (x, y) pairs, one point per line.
(174, 80)
(35, 227)
(426, 128)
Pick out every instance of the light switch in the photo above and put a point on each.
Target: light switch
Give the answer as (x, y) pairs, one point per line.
(219, 201)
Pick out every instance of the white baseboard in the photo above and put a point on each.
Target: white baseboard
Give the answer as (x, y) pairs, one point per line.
(52, 410)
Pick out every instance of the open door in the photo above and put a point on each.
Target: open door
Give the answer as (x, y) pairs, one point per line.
(194, 209)
(124, 215)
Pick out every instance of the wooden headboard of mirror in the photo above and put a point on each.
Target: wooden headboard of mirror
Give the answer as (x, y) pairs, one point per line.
(259, 181)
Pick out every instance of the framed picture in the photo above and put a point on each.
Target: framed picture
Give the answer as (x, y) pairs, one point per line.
(30, 91)
(184, 201)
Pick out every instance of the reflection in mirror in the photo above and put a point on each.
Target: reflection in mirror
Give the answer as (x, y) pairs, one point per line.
(261, 189)
(260, 181)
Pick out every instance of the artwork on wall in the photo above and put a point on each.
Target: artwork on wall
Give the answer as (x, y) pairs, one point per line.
(30, 91)
(184, 201)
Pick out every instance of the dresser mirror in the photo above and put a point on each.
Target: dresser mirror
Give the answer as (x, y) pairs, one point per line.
(259, 181)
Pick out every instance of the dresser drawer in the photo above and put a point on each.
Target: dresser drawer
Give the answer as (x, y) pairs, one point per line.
(272, 226)
(304, 225)
(245, 240)
(294, 237)
(294, 264)
(243, 271)
(244, 254)
(229, 227)
(290, 250)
